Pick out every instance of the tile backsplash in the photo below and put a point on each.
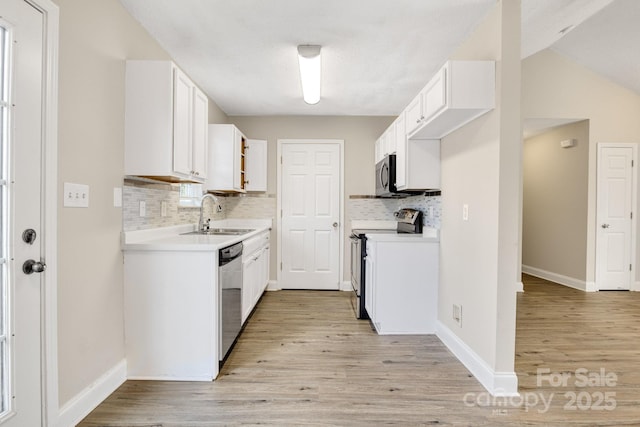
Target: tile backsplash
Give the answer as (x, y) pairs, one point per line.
(250, 206)
(383, 209)
(154, 194)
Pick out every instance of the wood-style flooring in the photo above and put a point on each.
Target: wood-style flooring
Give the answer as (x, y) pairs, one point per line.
(303, 359)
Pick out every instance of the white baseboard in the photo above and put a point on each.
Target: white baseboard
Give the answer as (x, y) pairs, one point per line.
(558, 278)
(273, 286)
(519, 287)
(346, 286)
(88, 399)
(496, 383)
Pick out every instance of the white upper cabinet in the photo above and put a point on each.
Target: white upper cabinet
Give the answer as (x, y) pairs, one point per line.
(401, 151)
(200, 132)
(256, 165)
(459, 92)
(165, 123)
(226, 159)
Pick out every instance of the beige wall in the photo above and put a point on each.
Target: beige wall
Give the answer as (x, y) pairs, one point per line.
(359, 135)
(554, 217)
(481, 167)
(96, 37)
(554, 87)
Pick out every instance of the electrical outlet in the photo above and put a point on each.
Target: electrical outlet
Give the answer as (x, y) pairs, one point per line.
(465, 212)
(430, 212)
(143, 208)
(163, 208)
(76, 195)
(457, 314)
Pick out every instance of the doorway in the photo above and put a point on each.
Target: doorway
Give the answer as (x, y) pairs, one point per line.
(310, 207)
(616, 199)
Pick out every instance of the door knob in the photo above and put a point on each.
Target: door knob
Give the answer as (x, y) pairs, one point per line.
(30, 266)
(335, 225)
(605, 225)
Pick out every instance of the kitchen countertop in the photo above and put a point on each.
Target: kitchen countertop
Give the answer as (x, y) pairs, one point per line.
(428, 235)
(171, 238)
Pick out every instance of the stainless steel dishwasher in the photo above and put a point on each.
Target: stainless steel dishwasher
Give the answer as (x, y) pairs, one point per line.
(230, 283)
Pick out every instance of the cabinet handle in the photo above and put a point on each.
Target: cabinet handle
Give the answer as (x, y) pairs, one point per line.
(421, 117)
(417, 120)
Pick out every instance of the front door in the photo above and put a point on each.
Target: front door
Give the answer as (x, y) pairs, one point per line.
(310, 183)
(614, 216)
(21, 130)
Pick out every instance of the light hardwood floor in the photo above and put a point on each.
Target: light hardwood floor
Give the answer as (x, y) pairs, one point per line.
(303, 359)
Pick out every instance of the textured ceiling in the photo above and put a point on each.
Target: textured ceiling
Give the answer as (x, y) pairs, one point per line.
(376, 54)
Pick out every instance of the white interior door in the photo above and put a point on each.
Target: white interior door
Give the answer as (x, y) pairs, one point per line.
(615, 201)
(21, 131)
(310, 215)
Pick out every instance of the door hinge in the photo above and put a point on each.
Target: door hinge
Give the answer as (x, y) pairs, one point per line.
(280, 213)
(280, 159)
(630, 267)
(631, 163)
(280, 266)
(631, 215)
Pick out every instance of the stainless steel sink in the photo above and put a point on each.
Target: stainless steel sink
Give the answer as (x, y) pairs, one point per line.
(222, 231)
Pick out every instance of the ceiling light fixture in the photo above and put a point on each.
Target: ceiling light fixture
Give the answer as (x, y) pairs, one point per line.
(309, 60)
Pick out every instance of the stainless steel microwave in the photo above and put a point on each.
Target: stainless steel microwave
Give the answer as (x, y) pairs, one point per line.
(386, 176)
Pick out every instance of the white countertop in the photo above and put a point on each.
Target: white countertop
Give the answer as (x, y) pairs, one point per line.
(172, 239)
(403, 237)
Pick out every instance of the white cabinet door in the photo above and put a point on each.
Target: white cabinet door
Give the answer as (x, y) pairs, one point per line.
(379, 153)
(226, 158)
(199, 140)
(249, 275)
(256, 165)
(390, 139)
(369, 283)
(434, 94)
(401, 152)
(413, 114)
(266, 268)
(182, 126)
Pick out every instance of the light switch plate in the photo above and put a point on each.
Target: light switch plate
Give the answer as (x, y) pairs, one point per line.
(76, 195)
(117, 197)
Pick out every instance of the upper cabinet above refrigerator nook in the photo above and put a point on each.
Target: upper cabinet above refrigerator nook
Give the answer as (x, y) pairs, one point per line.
(458, 93)
(166, 119)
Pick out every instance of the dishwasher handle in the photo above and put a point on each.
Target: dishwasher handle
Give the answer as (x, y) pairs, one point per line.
(228, 254)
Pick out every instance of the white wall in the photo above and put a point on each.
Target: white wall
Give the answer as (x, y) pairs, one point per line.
(96, 37)
(555, 87)
(481, 167)
(554, 216)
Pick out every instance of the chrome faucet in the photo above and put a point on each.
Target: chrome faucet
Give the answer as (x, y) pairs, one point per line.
(201, 223)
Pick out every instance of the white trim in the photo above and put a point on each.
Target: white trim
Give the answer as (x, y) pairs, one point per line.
(519, 287)
(273, 286)
(50, 402)
(636, 286)
(88, 399)
(341, 226)
(496, 383)
(345, 285)
(557, 278)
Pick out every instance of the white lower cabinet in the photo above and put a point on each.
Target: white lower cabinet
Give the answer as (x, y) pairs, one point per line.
(171, 306)
(401, 287)
(255, 272)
